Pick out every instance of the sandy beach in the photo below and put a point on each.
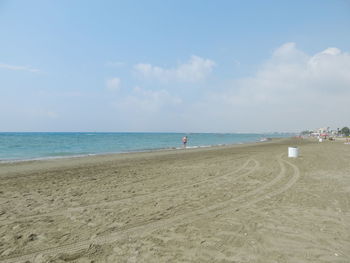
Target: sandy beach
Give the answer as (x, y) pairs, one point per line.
(242, 203)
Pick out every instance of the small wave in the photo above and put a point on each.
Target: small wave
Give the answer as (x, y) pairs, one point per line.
(47, 158)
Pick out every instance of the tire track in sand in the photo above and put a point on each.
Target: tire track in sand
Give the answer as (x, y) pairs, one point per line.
(69, 210)
(295, 176)
(143, 229)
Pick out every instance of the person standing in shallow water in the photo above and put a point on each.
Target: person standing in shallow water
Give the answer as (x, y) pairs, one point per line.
(184, 141)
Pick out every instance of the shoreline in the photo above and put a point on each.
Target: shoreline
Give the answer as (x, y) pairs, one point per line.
(29, 166)
(48, 158)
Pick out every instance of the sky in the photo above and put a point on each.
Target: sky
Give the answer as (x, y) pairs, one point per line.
(174, 66)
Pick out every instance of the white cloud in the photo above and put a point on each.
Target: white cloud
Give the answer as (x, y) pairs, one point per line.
(148, 110)
(148, 101)
(23, 68)
(113, 84)
(288, 51)
(291, 91)
(196, 69)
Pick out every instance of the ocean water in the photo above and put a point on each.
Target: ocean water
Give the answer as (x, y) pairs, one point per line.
(40, 145)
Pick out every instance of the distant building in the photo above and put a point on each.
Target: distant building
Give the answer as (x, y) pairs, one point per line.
(324, 130)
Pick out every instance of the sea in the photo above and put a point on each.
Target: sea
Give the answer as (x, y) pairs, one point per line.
(18, 146)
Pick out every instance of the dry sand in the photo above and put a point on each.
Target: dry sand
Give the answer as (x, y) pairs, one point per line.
(246, 203)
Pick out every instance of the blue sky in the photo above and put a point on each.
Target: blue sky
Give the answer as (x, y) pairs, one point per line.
(199, 66)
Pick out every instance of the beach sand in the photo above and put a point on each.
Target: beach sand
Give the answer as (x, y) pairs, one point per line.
(243, 203)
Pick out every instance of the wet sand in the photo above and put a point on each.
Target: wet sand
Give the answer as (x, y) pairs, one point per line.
(244, 203)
